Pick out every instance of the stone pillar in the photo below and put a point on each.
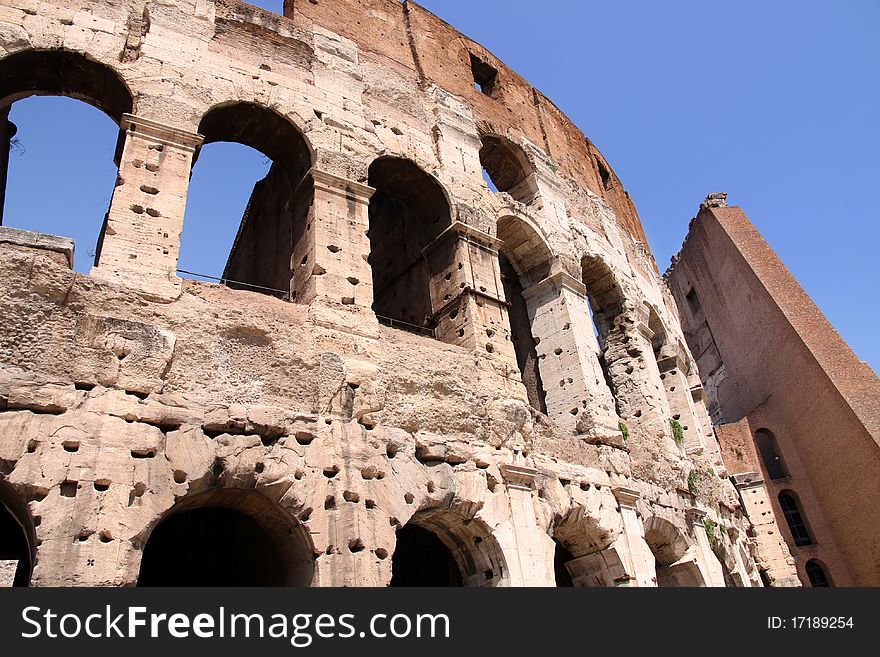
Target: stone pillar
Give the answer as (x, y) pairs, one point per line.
(650, 393)
(330, 267)
(531, 555)
(707, 562)
(771, 554)
(140, 243)
(638, 560)
(577, 396)
(672, 368)
(467, 295)
(7, 132)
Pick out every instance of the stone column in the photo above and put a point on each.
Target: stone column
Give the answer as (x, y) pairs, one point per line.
(330, 267)
(772, 553)
(707, 562)
(140, 243)
(467, 296)
(577, 396)
(7, 132)
(532, 557)
(638, 560)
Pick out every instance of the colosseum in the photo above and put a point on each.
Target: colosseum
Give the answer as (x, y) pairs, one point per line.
(405, 377)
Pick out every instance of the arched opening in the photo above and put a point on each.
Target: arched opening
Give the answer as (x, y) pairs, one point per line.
(407, 212)
(605, 301)
(580, 556)
(797, 525)
(229, 537)
(767, 448)
(57, 167)
(507, 169)
(16, 540)
(817, 573)
(524, 260)
(250, 152)
(439, 547)
(675, 566)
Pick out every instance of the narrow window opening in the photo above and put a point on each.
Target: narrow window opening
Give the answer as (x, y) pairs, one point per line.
(795, 519)
(816, 574)
(769, 452)
(485, 76)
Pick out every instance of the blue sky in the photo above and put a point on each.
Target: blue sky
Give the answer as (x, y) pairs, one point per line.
(776, 103)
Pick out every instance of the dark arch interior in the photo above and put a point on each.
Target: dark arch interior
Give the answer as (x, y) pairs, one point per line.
(816, 574)
(407, 212)
(561, 556)
(770, 454)
(64, 73)
(16, 536)
(421, 559)
(507, 167)
(521, 335)
(220, 546)
(275, 218)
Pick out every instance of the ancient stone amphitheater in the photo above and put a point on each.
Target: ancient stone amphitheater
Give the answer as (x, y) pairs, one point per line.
(406, 378)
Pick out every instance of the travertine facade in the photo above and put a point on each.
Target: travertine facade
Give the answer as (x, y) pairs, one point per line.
(495, 384)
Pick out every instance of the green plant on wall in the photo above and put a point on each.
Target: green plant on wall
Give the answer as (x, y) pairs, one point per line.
(623, 429)
(677, 432)
(710, 530)
(693, 478)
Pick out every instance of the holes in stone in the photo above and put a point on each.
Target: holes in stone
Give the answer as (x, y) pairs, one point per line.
(638, 414)
(485, 76)
(557, 351)
(448, 277)
(83, 386)
(672, 389)
(393, 521)
(604, 174)
(147, 189)
(268, 439)
(370, 504)
(68, 489)
(409, 498)
(382, 553)
(138, 394)
(32, 446)
(677, 416)
(331, 471)
(329, 503)
(306, 515)
(319, 114)
(355, 545)
(299, 474)
(37, 520)
(461, 333)
(105, 537)
(347, 301)
(304, 437)
(137, 209)
(83, 536)
(179, 476)
(489, 347)
(153, 212)
(353, 280)
(101, 485)
(332, 248)
(488, 575)
(136, 493)
(391, 450)
(397, 131)
(430, 486)
(351, 496)
(259, 467)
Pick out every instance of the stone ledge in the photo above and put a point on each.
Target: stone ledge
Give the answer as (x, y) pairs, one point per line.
(43, 241)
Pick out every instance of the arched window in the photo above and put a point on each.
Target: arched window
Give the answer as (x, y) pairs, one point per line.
(773, 462)
(408, 212)
(252, 247)
(524, 260)
(796, 524)
(57, 170)
(228, 537)
(605, 299)
(816, 573)
(507, 169)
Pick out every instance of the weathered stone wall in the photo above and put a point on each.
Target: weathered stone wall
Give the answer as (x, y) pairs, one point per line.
(771, 362)
(130, 396)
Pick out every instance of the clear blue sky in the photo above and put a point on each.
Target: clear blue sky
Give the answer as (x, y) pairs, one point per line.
(776, 103)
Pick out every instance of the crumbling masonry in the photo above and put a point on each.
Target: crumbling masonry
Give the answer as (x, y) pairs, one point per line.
(494, 384)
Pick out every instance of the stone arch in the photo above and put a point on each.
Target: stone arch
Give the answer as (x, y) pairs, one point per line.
(524, 259)
(226, 537)
(17, 539)
(407, 213)
(581, 556)
(463, 549)
(508, 167)
(817, 573)
(67, 73)
(64, 73)
(673, 554)
(275, 219)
